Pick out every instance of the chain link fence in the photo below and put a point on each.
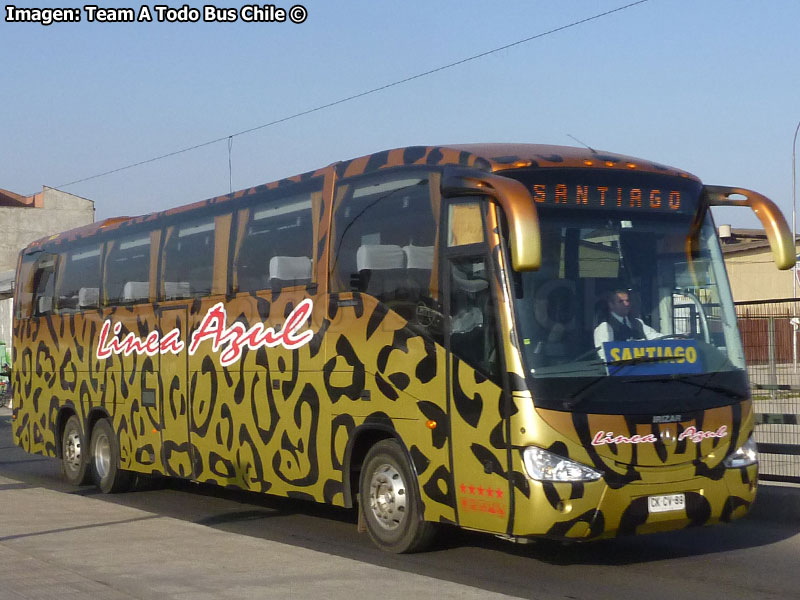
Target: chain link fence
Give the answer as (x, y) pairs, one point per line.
(771, 337)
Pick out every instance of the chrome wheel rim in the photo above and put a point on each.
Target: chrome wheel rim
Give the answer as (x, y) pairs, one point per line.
(72, 450)
(102, 456)
(387, 497)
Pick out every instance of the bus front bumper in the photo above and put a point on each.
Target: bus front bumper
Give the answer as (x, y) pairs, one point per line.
(603, 509)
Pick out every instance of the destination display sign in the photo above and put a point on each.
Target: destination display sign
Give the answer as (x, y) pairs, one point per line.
(652, 357)
(630, 192)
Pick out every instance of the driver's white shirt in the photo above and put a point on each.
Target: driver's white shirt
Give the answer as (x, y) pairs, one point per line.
(603, 333)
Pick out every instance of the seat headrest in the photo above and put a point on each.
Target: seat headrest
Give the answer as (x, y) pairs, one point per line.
(177, 289)
(136, 290)
(88, 297)
(418, 257)
(45, 304)
(290, 268)
(378, 257)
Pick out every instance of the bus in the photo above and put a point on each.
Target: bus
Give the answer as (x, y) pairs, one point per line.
(413, 334)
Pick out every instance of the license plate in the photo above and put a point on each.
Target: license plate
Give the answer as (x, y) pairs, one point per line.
(666, 503)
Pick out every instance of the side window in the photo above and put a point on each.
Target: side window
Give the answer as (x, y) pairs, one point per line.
(384, 245)
(127, 272)
(466, 224)
(23, 303)
(472, 315)
(275, 242)
(44, 278)
(79, 280)
(473, 335)
(188, 259)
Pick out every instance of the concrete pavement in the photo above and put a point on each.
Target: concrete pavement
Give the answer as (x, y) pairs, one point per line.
(72, 547)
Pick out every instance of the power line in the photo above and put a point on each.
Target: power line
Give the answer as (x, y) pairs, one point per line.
(359, 95)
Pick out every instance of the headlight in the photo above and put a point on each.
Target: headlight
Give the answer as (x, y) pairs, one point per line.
(745, 455)
(546, 466)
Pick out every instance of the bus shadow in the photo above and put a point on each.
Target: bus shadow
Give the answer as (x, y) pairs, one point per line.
(250, 506)
(262, 505)
(775, 517)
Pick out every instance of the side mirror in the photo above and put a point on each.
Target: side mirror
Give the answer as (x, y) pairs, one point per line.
(778, 234)
(517, 204)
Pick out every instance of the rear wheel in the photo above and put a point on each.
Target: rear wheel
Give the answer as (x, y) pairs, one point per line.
(74, 453)
(390, 501)
(107, 474)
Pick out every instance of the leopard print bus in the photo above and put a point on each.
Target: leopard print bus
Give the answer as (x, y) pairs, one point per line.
(298, 419)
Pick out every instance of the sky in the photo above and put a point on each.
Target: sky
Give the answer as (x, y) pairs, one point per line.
(708, 86)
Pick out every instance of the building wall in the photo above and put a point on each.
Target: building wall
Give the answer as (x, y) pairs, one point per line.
(51, 211)
(21, 225)
(753, 276)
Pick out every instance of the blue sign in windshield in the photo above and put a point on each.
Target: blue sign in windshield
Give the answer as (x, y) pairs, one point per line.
(652, 357)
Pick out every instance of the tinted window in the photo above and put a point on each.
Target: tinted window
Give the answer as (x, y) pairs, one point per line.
(473, 336)
(127, 275)
(275, 244)
(188, 259)
(23, 303)
(466, 224)
(44, 277)
(385, 243)
(621, 304)
(79, 279)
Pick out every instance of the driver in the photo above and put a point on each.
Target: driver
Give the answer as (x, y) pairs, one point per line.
(619, 325)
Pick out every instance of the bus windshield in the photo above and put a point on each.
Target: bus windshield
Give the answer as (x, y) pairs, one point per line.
(679, 326)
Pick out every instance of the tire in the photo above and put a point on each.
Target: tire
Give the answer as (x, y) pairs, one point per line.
(106, 472)
(390, 501)
(74, 453)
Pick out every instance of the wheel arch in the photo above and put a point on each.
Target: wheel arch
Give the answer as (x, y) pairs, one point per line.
(64, 414)
(95, 415)
(362, 439)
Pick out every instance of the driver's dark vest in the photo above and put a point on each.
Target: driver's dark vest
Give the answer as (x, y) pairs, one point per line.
(622, 332)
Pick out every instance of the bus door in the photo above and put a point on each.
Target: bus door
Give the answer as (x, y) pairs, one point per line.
(176, 451)
(479, 461)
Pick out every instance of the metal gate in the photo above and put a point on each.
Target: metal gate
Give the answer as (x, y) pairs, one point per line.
(770, 330)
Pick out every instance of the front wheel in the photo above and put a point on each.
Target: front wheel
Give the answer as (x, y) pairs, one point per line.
(389, 499)
(108, 475)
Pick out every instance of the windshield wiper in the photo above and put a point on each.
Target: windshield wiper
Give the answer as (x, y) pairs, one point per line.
(731, 393)
(632, 361)
(578, 397)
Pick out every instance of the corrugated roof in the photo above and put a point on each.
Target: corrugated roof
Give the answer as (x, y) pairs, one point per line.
(744, 240)
(6, 284)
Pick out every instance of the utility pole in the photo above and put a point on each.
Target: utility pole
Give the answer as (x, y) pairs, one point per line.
(794, 207)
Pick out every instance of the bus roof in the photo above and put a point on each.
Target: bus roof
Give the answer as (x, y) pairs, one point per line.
(510, 156)
(487, 157)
